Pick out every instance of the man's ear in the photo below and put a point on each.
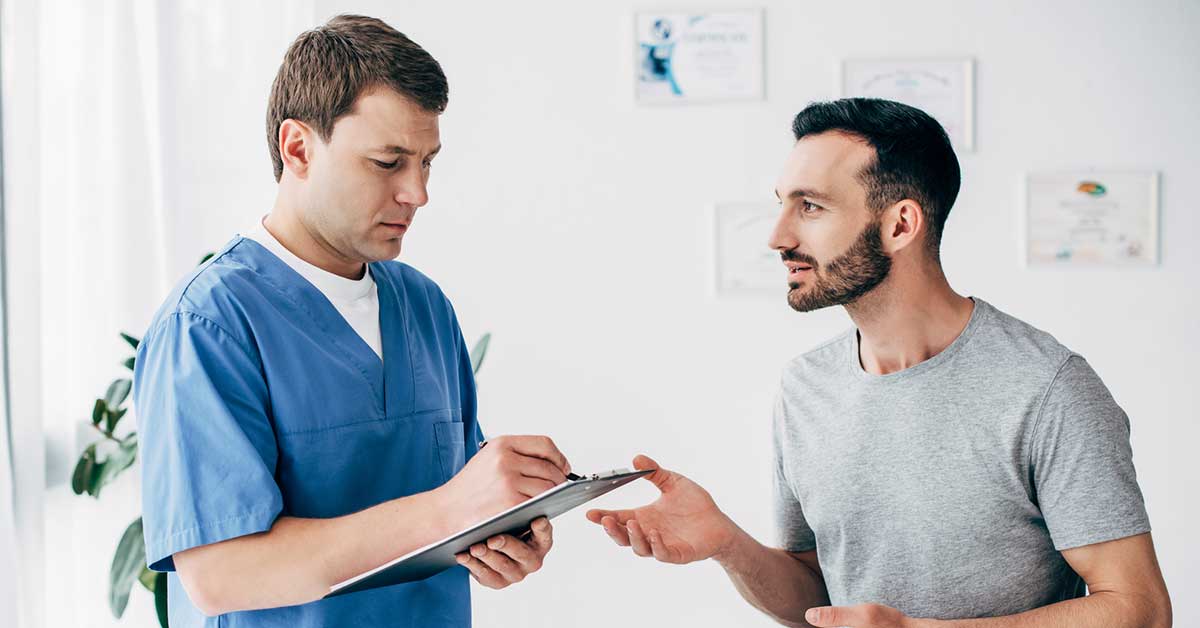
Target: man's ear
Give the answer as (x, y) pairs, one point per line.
(903, 224)
(295, 147)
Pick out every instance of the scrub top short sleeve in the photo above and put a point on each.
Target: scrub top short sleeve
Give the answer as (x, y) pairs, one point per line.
(204, 436)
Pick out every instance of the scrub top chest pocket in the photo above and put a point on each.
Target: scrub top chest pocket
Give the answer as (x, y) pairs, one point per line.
(451, 445)
(341, 470)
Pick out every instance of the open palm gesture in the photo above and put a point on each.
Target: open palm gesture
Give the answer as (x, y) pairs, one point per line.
(683, 525)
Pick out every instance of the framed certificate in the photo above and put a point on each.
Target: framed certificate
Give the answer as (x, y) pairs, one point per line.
(744, 263)
(698, 57)
(1091, 218)
(942, 88)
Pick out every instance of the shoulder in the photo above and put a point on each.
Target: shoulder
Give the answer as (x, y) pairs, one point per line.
(215, 294)
(826, 359)
(1013, 341)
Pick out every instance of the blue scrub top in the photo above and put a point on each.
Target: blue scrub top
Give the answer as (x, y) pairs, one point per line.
(256, 399)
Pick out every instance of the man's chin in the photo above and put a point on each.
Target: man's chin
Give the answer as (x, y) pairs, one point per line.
(381, 251)
(801, 300)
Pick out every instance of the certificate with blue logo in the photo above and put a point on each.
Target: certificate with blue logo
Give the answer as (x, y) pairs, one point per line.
(699, 57)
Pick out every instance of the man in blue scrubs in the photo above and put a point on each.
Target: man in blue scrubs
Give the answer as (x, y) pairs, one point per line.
(306, 407)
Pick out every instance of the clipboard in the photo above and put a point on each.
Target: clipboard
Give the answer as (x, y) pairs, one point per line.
(439, 556)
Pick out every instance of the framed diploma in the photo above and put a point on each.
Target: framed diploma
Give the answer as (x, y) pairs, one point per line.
(745, 264)
(1091, 218)
(698, 57)
(942, 88)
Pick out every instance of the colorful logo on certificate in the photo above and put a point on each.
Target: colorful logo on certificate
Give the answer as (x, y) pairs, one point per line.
(1091, 188)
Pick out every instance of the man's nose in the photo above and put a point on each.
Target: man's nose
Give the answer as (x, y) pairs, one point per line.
(782, 236)
(413, 190)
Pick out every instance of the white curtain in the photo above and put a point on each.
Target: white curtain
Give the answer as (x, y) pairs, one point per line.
(120, 120)
(8, 524)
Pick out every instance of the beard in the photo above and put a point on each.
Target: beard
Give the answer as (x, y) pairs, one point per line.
(844, 279)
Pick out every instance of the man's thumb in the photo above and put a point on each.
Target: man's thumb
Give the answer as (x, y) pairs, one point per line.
(660, 475)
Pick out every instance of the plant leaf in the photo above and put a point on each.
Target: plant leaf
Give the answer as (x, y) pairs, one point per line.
(479, 351)
(127, 565)
(147, 578)
(93, 482)
(160, 599)
(114, 464)
(133, 342)
(117, 392)
(129, 363)
(81, 478)
(98, 411)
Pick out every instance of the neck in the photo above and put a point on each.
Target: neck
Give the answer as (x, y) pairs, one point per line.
(285, 224)
(911, 317)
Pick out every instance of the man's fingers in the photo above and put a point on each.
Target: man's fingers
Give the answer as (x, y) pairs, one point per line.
(659, 549)
(481, 572)
(621, 516)
(637, 539)
(834, 616)
(660, 477)
(526, 557)
(543, 535)
(539, 447)
(616, 531)
(498, 562)
(538, 468)
(532, 487)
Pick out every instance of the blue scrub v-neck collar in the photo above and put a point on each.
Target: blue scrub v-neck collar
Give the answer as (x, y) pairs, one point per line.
(400, 377)
(389, 388)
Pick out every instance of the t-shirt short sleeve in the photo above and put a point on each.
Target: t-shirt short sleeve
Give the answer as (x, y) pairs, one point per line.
(208, 451)
(792, 530)
(1082, 462)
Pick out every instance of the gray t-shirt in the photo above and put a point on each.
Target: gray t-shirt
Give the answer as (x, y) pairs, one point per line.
(947, 489)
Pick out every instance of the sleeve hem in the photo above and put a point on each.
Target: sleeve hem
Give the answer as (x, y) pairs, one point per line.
(160, 551)
(1092, 538)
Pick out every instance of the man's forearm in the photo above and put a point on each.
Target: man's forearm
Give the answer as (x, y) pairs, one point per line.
(297, 560)
(1101, 608)
(772, 580)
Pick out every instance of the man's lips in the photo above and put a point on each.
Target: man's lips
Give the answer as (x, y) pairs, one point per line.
(796, 267)
(399, 226)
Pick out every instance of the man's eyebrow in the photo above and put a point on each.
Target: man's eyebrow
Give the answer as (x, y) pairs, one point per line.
(802, 193)
(401, 150)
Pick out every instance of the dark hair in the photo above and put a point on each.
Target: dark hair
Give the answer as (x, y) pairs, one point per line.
(913, 156)
(327, 68)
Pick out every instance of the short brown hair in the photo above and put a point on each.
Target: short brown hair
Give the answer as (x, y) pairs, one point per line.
(327, 68)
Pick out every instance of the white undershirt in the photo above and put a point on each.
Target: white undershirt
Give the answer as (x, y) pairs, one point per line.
(357, 300)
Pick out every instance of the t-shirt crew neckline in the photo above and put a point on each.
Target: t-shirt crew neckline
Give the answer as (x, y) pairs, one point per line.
(335, 287)
(978, 314)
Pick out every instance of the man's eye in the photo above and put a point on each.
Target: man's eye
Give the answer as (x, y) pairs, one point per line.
(427, 164)
(810, 208)
(386, 165)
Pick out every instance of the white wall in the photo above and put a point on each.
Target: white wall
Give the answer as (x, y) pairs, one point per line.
(575, 227)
